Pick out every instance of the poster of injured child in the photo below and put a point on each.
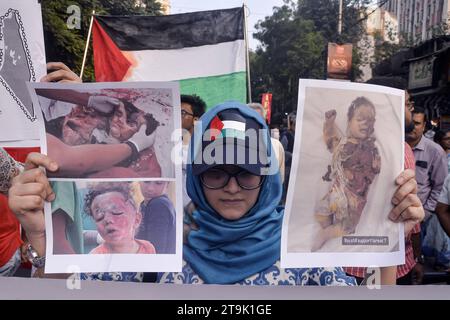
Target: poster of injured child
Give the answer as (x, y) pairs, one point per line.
(113, 226)
(115, 130)
(348, 151)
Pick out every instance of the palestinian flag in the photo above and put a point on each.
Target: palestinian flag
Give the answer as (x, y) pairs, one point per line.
(205, 51)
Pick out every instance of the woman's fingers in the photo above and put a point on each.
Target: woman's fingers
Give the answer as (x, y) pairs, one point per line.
(35, 160)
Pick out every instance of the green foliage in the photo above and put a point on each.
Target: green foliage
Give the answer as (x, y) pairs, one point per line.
(294, 45)
(67, 45)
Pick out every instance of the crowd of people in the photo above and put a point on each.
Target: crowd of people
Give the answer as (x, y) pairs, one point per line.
(232, 211)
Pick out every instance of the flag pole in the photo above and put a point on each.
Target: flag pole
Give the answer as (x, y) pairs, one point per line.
(87, 45)
(249, 87)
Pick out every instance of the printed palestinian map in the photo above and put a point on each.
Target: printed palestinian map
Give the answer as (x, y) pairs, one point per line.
(16, 67)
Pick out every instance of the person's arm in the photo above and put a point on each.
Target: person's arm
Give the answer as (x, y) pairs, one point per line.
(438, 174)
(103, 104)
(26, 199)
(388, 275)
(407, 209)
(60, 243)
(79, 160)
(9, 168)
(443, 214)
(331, 133)
(66, 95)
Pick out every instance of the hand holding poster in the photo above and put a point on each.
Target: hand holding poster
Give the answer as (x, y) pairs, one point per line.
(113, 143)
(349, 150)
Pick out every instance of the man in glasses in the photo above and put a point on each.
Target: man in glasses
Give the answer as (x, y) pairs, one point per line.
(192, 108)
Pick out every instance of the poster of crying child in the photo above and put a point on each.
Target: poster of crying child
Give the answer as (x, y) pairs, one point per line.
(348, 151)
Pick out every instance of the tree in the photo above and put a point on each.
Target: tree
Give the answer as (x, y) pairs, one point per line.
(67, 45)
(290, 48)
(294, 42)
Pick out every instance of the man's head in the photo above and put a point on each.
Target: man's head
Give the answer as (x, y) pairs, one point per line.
(419, 119)
(192, 108)
(398, 83)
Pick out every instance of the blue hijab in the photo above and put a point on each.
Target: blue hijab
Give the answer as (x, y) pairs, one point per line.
(223, 251)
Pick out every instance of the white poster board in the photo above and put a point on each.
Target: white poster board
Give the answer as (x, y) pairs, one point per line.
(348, 152)
(114, 144)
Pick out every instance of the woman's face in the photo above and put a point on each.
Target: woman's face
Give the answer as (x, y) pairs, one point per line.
(121, 128)
(361, 125)
(117, 220)
(231, 202)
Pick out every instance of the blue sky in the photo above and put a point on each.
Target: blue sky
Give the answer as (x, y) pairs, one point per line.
(258, 10)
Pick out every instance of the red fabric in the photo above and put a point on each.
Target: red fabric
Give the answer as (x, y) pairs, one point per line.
(410, 262)
(109, 62)
(10, 238)
(9, 232)
(20, 154)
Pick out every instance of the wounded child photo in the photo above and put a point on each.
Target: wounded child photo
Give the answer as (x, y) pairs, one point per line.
(351, 151)
(355, 164)
(109, 133)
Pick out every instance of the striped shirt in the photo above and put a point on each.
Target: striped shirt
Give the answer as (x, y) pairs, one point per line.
(410, 262)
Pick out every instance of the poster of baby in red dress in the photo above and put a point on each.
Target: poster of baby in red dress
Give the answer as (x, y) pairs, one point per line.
(348, 152)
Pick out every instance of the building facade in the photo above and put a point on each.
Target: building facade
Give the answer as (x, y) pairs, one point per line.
(419, 20)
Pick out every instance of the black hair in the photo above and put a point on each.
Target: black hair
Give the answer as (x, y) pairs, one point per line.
(440, 134)
(420, 110)
(358, 102)
(197, 104)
